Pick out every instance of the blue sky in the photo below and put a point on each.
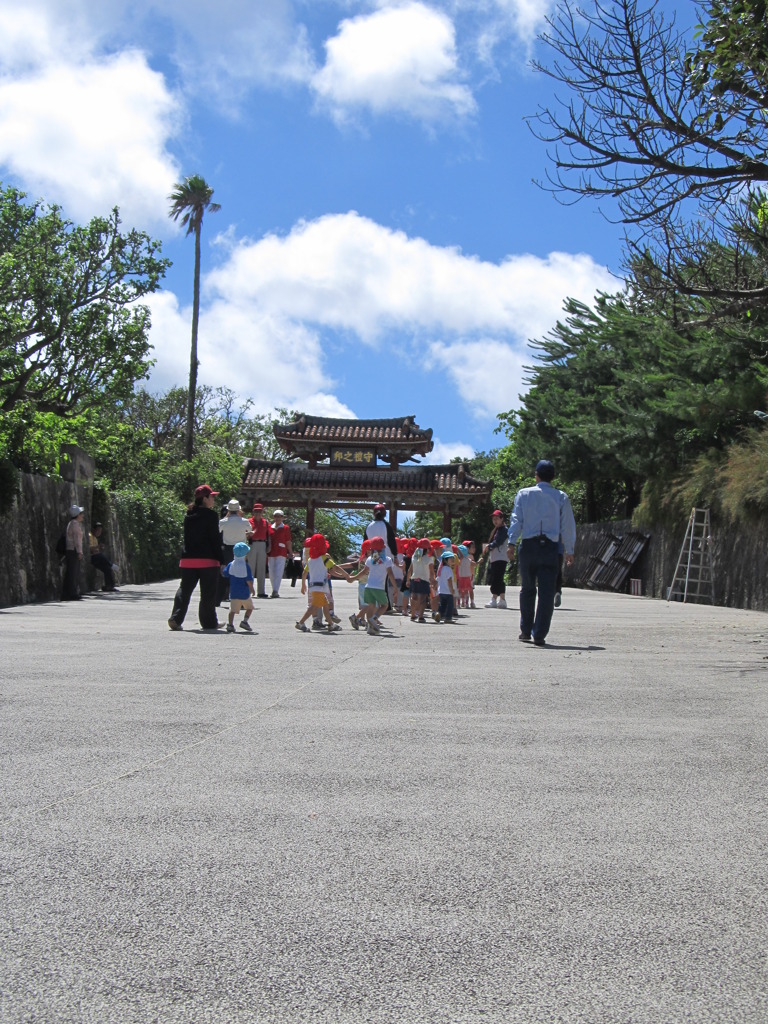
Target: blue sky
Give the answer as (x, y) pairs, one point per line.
(381, 249)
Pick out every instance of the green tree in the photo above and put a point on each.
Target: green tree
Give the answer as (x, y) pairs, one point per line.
(190, 200)
(621, 396)
(71, 329)
(732, 56)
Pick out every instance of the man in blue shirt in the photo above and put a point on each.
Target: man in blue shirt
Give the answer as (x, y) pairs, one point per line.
(541, 519)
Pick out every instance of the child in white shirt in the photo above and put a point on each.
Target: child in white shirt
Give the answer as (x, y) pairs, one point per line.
(379, 566)
(446, 588)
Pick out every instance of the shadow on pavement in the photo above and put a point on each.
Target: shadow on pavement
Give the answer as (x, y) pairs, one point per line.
(128, 595)
(564, 647)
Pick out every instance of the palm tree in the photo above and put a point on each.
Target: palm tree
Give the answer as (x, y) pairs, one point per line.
(189, 201)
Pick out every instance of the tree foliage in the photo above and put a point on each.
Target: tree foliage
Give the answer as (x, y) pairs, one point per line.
(71, 329)
(621, 397)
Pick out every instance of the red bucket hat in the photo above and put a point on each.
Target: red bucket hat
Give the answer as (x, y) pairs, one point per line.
(318, 545)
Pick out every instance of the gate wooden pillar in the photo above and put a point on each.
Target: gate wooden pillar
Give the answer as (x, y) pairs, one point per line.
(310, 517)
(446, 523)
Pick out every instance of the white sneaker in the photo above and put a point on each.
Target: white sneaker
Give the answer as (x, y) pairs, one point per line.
(492, 603)
(371, 631)
(502, 603)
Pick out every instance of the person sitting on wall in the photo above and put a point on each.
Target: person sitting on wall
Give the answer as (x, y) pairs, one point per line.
(99, 558)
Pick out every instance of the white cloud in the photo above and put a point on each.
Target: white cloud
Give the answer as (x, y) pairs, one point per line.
(218, 55)
(523, 17)
(92, 135)
(399, 59)
(271, 360)
(445, 451)
(346, 272)
(27, 38)
(488, 374)
(470, 319)
(244, 44)
(493, 24)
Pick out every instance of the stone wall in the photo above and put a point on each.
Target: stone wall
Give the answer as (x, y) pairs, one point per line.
(29, 566)
(739, 561)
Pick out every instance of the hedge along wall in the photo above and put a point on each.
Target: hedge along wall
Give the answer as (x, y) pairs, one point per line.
(739, 560)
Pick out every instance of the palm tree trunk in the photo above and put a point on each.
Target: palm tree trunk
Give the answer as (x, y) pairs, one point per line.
(193, 350)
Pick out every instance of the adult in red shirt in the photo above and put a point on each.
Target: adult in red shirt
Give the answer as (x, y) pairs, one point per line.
(259, 538)
(280, 548)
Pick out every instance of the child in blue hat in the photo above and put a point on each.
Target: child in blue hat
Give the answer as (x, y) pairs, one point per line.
(446, 588)
(240, 587)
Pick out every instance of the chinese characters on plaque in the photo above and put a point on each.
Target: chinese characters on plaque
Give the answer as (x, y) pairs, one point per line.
(353, 457)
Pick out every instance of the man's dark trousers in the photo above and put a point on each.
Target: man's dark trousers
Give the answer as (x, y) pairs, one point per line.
(538, 563)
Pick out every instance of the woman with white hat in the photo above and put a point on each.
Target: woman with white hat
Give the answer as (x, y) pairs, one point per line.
(70, 591)
(234, 530)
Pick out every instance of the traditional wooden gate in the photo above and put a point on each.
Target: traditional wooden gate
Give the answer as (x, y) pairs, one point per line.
(351, 464)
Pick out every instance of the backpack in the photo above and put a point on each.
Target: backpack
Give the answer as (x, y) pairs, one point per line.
(61, 545)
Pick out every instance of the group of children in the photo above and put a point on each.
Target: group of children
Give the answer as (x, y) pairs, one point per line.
(423, 574)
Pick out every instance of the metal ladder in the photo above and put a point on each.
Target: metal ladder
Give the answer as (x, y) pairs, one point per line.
(693, 580)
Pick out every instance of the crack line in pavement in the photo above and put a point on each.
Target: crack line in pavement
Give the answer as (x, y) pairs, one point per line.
(171, 754)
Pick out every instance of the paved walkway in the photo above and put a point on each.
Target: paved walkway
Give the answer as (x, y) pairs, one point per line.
(441, 824)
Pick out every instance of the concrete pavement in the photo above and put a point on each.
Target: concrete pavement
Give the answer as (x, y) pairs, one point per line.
(441, 824)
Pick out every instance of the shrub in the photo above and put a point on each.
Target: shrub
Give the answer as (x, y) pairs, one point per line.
(152, 526)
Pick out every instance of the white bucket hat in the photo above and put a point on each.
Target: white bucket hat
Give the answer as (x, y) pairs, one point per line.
(233, 505)
(75, 510)
(279, 512)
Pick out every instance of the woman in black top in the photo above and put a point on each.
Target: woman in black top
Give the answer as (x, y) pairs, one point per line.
(200, 560)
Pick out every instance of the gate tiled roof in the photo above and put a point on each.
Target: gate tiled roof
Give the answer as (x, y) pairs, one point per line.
(428, 486)
(314, 435)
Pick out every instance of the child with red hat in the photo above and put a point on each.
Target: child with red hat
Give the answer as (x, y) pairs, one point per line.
(316, 574)
(379, 566)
